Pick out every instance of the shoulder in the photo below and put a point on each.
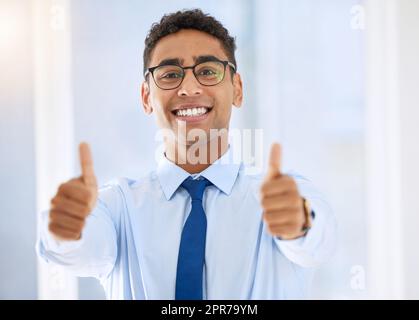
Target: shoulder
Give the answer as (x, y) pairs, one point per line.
(122, 186)
(253, 177)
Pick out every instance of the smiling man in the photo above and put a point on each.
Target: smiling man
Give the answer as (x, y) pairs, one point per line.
(199, 226)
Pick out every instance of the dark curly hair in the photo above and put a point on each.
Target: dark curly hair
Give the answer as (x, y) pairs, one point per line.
(188, 19)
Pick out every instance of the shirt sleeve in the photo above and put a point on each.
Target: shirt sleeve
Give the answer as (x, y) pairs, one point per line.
(319, 243)
(94, 254)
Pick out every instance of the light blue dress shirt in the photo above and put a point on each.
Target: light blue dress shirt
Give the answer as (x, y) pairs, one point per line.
(131, 239)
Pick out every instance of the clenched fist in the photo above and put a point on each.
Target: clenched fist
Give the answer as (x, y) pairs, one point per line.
(281, 202)
(74, 201)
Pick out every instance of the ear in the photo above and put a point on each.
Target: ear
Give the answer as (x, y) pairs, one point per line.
(145, 97)
(238, 90)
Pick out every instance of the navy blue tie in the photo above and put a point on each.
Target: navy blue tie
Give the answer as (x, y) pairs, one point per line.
(192, 244)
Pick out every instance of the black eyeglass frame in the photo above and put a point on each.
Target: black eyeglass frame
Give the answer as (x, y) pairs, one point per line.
(224, 62)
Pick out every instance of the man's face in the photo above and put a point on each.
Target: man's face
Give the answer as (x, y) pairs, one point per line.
(187, 46)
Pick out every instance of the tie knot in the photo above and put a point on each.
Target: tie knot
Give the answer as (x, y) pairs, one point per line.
(195, 187)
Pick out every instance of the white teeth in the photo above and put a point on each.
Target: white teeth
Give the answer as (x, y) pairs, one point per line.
(191, 112)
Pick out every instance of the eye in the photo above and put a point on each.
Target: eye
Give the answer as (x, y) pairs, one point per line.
(171, 75)
(207, 72)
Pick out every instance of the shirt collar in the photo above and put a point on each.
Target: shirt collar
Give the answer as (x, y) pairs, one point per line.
(222, 173)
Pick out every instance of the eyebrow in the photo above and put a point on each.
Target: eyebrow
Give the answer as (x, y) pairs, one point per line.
(179, 62)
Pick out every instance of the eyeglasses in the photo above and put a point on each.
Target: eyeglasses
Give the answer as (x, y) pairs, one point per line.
(208, 73)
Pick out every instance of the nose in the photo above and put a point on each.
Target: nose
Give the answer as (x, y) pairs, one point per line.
(190, 85)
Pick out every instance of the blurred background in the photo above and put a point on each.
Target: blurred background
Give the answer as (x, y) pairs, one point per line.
(335, 82)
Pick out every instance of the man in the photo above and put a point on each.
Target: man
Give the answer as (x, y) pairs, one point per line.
(199, 226)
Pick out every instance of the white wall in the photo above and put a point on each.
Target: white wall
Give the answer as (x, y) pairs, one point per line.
(392, 147)
(17, 158)
(409, 125)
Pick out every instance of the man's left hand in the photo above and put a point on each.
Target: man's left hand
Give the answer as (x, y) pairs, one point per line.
(281, 201)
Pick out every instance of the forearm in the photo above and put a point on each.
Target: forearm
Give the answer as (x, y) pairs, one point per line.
(318, 244)
(93, 254)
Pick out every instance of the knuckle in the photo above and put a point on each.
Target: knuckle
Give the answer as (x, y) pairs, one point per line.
(296, 227)
(268, 218)
(264, 202)
(76, 235)
(290, 184)
(289, 181)
(301, 220)
(297, 202)
(82, 224)
(275, 231)
(74, 180)
(87, 211)
(262, 193)
(61, 188)
(283, 179)
(271, 229)
(55, 215)
(53, 229)
(88, 195)
(268, 185)
(264, 187)
(57, 202)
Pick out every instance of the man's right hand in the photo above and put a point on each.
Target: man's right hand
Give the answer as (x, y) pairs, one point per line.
(74, 201)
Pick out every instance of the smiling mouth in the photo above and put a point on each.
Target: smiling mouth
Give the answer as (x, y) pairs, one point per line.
(191, 112)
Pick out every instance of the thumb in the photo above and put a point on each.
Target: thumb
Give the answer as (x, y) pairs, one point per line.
(86, 164)
(274, 166)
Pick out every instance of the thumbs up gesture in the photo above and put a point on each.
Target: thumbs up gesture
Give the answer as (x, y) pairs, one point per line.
(281, 202)
(74, 201)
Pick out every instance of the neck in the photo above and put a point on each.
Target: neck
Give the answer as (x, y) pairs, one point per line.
(196, 158)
